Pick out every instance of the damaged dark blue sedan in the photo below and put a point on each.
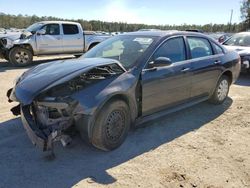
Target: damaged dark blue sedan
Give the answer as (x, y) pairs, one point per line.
(122, 82)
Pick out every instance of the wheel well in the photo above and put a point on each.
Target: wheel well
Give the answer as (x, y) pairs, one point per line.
(92, 45)
(26, 46)
(229, 75)
(122, 97)
(131, 105)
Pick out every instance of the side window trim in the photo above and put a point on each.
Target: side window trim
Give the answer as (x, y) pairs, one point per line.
(188, 51)
(212, 48)
(163, 42)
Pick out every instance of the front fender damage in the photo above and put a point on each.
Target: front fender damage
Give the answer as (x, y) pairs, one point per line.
(55, 110)
(7, 42)
(5, 45)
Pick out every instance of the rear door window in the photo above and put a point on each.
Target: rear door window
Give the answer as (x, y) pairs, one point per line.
(199, 47)
(217, 48)
(70, 29)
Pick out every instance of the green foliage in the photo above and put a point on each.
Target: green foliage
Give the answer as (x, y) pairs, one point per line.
(23, 21)
(245, 14)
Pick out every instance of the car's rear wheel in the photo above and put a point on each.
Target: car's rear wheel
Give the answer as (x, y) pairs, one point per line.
(221, 91)
(20, 57)
(111, 126)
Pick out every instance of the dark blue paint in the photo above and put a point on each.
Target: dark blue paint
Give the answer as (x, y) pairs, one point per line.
(146, 91)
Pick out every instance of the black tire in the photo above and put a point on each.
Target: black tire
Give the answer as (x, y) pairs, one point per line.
(111, 125)
(20, 57)
(221, 91)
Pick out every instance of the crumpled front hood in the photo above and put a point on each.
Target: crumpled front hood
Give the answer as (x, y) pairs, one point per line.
(10, 39)
(36, 79)
(241, 50)
(12, 36)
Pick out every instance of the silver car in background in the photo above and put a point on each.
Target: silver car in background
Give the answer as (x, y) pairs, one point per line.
(47, 38)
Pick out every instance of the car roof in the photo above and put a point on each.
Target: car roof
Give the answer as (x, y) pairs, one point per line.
(163, 33)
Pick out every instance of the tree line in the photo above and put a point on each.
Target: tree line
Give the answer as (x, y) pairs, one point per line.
(245, 14)
(23, 21)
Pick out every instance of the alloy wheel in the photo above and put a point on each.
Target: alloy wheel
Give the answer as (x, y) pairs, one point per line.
(222, 90)
(21, 57)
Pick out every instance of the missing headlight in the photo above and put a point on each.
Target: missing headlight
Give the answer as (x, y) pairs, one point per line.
(3, 42)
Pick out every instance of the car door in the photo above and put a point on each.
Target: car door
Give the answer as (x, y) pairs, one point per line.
(169, 85)
(206, 66)
(72, 38)
(51, 41)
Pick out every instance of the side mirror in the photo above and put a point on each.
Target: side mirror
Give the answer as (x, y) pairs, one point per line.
(41, 32)
(160, 62)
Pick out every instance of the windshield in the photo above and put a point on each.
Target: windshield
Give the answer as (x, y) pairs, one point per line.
(124, 48)
(34, 27)
(241, 39)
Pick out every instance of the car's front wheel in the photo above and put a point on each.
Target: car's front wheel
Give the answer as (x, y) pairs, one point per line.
(111, 125)
(221, 91)
(20, 57)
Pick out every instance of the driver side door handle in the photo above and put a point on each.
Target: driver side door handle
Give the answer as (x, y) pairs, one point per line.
(149, 69)
(217, 62)
(185, 70)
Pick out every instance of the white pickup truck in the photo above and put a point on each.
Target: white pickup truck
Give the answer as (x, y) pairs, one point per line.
(47, 38)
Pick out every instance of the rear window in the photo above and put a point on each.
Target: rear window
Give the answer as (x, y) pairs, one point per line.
(70, 29)
(218, 49)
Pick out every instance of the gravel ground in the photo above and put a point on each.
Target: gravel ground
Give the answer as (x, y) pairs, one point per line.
(202, 146)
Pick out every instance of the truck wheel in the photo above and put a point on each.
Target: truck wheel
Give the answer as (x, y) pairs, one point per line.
(221, 91)
(111, 126)
(20, 57)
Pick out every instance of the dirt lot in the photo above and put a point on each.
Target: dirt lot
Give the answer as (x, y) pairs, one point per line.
(202, 146)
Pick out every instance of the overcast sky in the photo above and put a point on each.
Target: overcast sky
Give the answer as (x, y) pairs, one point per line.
(159, 12)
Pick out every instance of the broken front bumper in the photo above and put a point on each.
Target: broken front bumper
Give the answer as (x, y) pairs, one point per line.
(50, 119)
(2, 53)
(48, 122)
(40, 138)
(3, 50)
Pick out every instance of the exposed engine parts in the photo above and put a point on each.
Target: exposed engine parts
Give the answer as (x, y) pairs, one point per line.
(83, 80)
(54, 111)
